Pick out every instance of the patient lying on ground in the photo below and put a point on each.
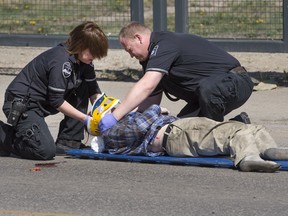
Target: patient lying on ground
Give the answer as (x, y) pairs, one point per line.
(153, 134)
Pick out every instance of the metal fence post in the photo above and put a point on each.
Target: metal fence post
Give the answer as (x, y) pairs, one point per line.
(181, 16)
(159, 15)
(137, 10)
(285, 21)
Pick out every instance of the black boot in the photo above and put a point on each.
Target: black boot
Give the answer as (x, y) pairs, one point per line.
(62, 145)
(6, 139)
(242, 117)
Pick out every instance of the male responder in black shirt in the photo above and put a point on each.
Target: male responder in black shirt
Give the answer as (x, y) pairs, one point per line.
(61, 79)
(189, 67)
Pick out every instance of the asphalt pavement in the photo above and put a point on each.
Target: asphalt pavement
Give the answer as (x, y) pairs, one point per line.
(72, 186)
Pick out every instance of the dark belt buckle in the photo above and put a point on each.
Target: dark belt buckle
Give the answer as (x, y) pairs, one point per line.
(165, 136)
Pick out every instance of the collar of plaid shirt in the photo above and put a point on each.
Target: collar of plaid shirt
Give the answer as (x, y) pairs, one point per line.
(133, 133)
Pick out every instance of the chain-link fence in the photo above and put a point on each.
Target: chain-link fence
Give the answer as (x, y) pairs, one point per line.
(56, 17)
(253, 19)
(234, 20)
(213, 19)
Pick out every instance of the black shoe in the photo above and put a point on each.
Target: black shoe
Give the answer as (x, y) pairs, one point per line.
(242, 117)
(4, 153)
(82, 146)
(6, 135)
(63, 145)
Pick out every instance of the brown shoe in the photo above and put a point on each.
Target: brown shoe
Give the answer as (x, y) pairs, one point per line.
(276, 154)
(255, 164)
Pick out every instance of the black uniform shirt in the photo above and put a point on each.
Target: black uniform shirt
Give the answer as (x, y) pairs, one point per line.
(52, 76)
(185, 59)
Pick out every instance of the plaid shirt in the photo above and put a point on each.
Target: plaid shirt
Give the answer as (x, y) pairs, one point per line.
(134, 132)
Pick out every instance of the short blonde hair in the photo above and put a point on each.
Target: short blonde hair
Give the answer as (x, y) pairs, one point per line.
(88, 35)
(129, 30)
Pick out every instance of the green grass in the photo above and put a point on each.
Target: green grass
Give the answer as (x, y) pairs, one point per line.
(59, 17)
(238, 19)
(234, 19)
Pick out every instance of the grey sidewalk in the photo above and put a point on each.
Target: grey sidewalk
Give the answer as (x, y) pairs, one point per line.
(92, 187)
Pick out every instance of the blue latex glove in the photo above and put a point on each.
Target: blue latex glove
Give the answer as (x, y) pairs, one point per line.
(107, 122)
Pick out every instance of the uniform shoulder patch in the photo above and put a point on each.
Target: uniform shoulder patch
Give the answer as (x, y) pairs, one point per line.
(66, 69)
(154, 51)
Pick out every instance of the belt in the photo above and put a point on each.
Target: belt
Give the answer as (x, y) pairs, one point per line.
(165, 136)
(238, 70)
(11, 97)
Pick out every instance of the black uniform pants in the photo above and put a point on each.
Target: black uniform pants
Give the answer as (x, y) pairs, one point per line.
(32, 138)
(69, 128)
(219, 95)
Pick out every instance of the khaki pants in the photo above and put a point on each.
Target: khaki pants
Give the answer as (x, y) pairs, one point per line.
(201, 136)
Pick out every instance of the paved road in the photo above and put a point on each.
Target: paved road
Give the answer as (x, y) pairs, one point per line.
(91, 187)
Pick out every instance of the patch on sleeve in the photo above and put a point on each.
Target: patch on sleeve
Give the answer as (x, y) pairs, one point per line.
(154, 51)
(66, 70)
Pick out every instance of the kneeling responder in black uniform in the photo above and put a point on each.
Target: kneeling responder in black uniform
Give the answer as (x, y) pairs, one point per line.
(61, 79)
(185, 67)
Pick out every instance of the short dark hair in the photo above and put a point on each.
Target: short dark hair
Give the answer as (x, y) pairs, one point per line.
(131, 28)
(88, 35)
